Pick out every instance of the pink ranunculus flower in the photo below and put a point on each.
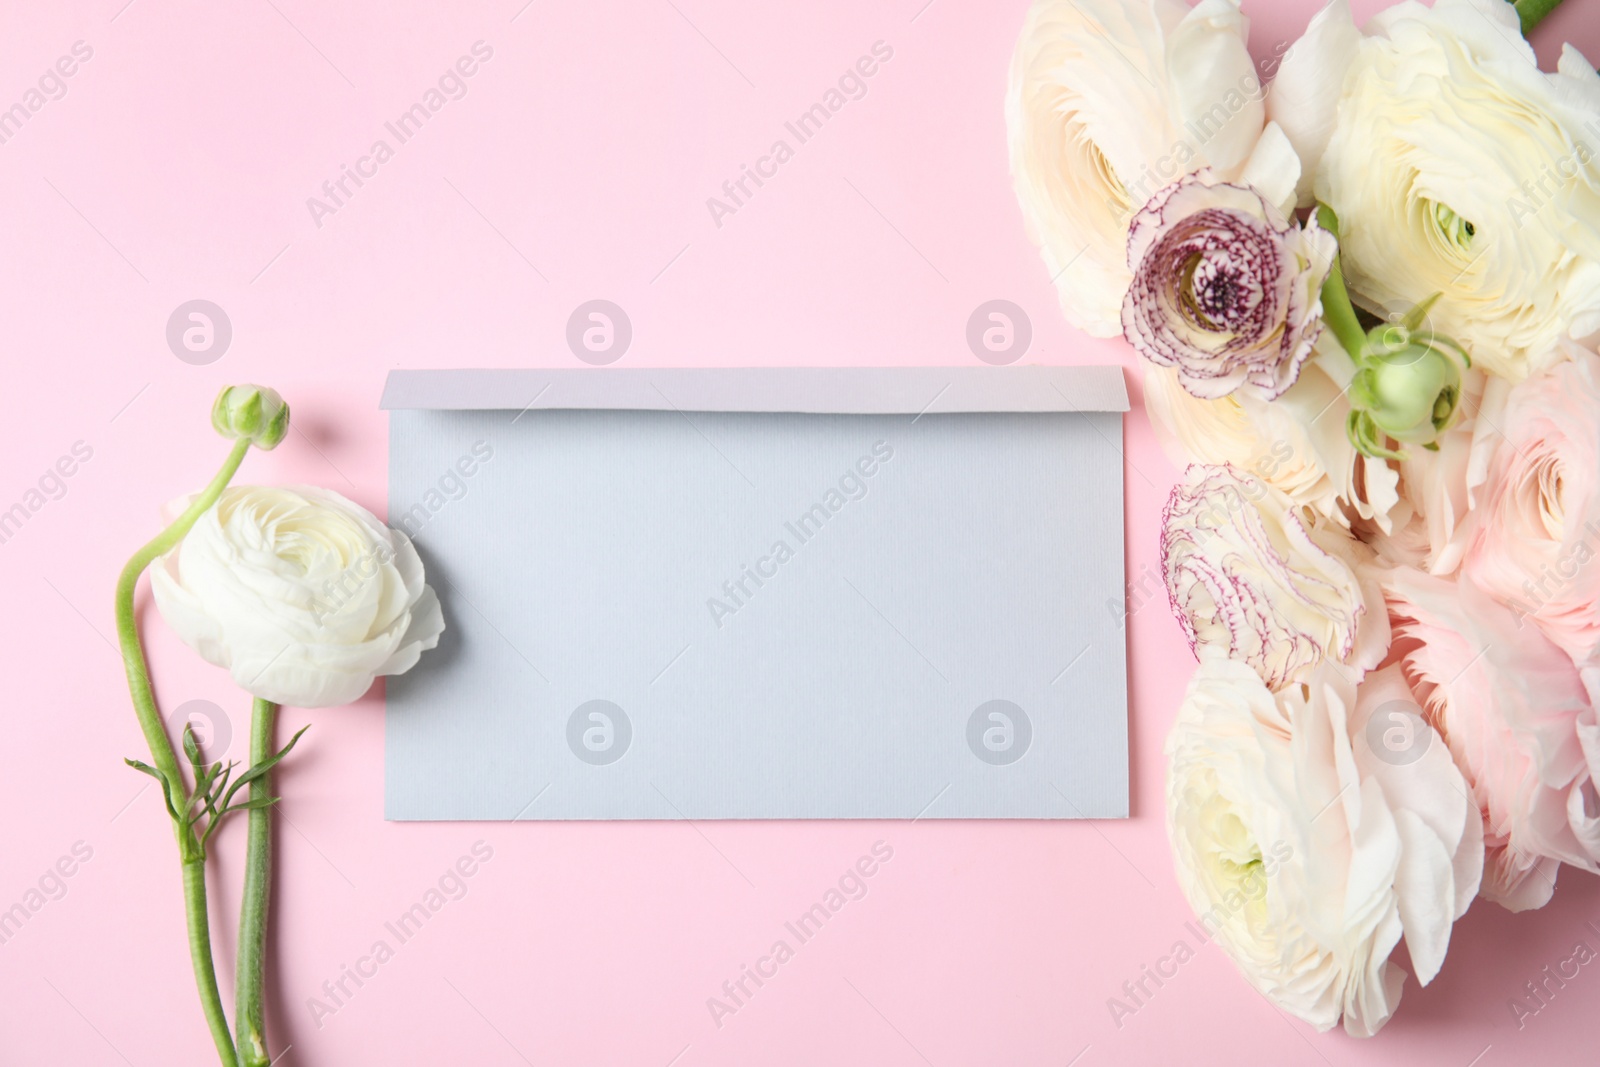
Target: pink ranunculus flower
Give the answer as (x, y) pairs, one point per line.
(1537, 528)
(1517, 718)
(1224, 288)
(1250, 579)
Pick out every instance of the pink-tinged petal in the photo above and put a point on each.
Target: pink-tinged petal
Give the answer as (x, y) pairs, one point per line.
(1535, 539)
(1515, 715)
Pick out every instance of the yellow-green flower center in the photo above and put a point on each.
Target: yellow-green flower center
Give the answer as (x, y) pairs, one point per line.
(1456, 230)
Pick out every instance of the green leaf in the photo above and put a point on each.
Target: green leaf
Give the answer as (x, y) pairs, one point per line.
(208, 787)
(191, 748)
(263, 767)
(145, 768)
(204, 778)
(284, 751)
(1327, 219)
(222, 779)
(1532, 12)
(166, 786)
(1367, 439)
(1414, 318)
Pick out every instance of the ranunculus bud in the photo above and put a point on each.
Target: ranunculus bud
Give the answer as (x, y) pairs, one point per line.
(251, 411)
(1225, 289)
(1407, 386)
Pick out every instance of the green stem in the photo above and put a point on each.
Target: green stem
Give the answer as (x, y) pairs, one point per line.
(250, 1005)
(1532, 12)
(144, 702)
(205, 973)
(1337, 311)
(1340, 314)
(166, 759)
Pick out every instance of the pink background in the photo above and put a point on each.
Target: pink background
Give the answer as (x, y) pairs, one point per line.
(177, 166)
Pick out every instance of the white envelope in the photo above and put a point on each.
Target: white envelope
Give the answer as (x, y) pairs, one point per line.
(763, 594)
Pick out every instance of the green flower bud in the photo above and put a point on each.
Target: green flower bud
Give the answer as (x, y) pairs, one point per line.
(1407, 386)
(251, 411)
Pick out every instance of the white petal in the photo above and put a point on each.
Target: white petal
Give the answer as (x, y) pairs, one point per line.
(1216, 82)
(1515, 887)
(1274, 169)
(1425, 884)
(182, 611)
(1304, 99)
(427, 624)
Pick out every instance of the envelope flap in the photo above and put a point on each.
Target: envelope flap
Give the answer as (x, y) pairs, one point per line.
(813, 390)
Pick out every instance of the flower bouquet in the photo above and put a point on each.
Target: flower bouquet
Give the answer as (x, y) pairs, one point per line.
(1359, 296)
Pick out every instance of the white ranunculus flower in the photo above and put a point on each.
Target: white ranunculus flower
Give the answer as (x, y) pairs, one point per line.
(1457, 167)
(1109, 101)
(1307, 852)
(1305, 94)
(302, 595)
(1297, 444)
(1250, 579)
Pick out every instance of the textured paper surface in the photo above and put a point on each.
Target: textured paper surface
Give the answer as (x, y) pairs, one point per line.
(663, 614)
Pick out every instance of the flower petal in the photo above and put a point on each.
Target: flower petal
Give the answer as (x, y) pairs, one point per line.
(1304, 98)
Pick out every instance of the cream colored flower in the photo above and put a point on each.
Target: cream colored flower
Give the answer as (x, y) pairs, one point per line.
(1250, 580)
(1297, 444)
(1456, 167)
(1109, 101)
(302, 595)
(1305, 851)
